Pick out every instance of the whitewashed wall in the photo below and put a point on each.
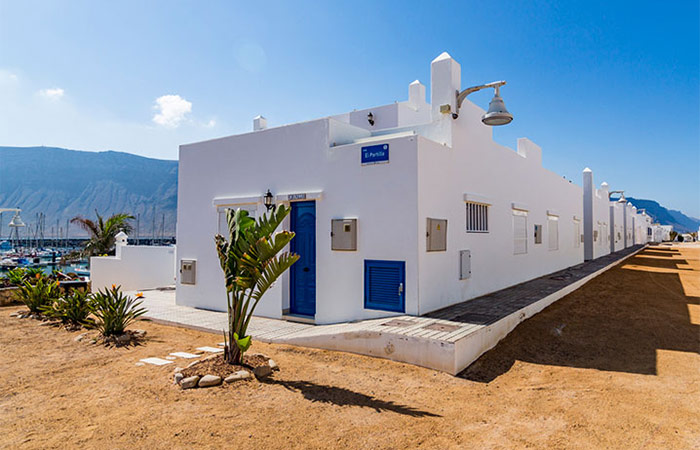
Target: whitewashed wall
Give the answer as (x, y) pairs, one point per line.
(480, 168)
(301, 159)
(134, 267)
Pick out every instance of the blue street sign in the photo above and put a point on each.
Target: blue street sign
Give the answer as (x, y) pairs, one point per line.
(375, 154)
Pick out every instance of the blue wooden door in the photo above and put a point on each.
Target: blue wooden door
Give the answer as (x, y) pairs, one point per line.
(385, 285)
(302, 298)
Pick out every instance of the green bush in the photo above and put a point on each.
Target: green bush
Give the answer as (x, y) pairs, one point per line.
(72, 309)
(114, 311)
(38, 295)
(16, 276)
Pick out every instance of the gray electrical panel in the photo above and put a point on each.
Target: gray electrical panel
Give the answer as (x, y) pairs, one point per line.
(465, 264)
(188, 271)
(436, 235)
(344, 234)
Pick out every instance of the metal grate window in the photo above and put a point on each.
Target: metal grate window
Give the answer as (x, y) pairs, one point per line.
(577, 233)
(477, 218)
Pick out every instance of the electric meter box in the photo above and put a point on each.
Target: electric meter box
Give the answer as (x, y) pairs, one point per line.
(344, 234)
(188, 271)
(436, 235)
(465, 264)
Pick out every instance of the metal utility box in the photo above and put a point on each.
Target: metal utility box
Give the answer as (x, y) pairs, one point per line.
(436, 235)
(465, 264)
(188, 271)
(344, 234)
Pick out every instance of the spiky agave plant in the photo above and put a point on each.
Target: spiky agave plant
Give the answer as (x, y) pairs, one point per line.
(251, 261)
(114, 311)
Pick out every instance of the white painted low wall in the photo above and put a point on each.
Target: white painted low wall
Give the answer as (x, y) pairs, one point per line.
(134, 268)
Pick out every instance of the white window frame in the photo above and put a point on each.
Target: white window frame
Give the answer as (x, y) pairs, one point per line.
(577, 233)
(221, 226)
(477, 217)
(519, 241)
(552, 232)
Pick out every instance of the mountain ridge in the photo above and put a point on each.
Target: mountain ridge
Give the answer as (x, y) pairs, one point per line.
(63, 183)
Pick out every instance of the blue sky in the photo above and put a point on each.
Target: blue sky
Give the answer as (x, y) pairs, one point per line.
(610, 85)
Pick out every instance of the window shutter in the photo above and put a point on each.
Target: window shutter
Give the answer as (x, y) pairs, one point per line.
(519, 232)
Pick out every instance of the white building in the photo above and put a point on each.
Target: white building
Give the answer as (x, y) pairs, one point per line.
(397, 208)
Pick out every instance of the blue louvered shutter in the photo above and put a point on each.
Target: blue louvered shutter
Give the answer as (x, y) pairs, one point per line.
(385, 283)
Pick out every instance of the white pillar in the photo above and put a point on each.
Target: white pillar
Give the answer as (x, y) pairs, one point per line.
(587, 214)
(445, 81)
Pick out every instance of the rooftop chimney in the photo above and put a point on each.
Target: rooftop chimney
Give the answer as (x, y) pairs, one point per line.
(259, 123)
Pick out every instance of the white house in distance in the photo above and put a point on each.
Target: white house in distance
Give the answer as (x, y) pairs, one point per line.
(402, 208)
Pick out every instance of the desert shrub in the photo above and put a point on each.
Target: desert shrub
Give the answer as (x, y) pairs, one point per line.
(114, 311)
(38, 295)
(72, 309)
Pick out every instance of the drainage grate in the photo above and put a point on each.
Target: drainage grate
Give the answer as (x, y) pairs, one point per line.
(398, 323)
(441, 327)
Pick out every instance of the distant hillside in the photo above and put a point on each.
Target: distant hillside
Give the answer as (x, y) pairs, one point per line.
(680, 221)
(65, 183)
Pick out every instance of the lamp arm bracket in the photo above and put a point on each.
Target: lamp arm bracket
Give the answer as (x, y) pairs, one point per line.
(462, 95)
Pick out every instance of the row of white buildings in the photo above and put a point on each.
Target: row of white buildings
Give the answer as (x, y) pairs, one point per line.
(402, 208)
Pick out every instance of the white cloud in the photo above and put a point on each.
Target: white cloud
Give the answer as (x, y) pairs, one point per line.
(8, 77)
(52, 93)
(211, 123)
(172, 110)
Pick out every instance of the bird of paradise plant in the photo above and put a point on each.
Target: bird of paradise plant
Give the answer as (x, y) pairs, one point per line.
(251, 261)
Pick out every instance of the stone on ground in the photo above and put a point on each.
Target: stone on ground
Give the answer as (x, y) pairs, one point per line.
(262, 371)
(189, 382)
(273, 365)
(209, 380)
(236, 376)
(156, 361)
(210, 349)
(184, 355)
(178, 377)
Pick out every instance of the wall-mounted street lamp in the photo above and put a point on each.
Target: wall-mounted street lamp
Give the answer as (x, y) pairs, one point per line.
(370, 119)
(622, 196)
(269, 200)
(497, 113)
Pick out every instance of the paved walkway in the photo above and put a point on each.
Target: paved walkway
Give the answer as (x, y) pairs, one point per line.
(493, 307)
(448, 339)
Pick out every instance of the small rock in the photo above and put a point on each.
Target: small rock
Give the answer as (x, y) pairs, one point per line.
(209, 380)
(178, 377)
(93, 341)
(123, 339)
(236, 376)
(189, 382)
(140, 364)
(14, 314)
(273, 365)
(193, 363)
(262, 371)
(139, 333)
(178, 370)
(79, 337)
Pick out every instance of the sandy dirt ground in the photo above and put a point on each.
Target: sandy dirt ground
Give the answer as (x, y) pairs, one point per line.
(615, 364)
